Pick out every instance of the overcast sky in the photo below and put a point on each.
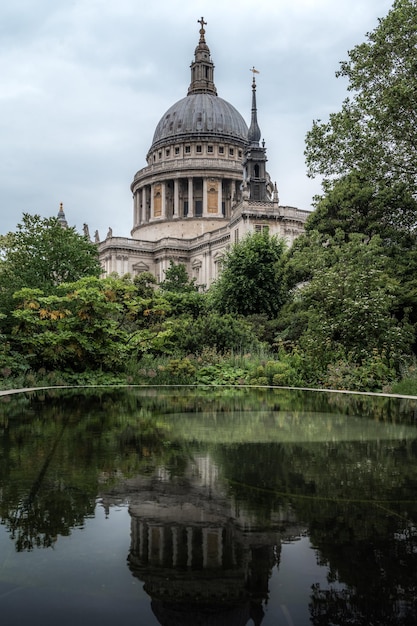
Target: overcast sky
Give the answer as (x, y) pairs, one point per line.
(83, 84)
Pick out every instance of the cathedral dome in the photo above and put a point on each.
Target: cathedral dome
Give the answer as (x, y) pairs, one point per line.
(200, 115)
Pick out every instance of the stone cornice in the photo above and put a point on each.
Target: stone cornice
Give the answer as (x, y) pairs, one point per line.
(192, 138)
(182, 168)
(267, 211)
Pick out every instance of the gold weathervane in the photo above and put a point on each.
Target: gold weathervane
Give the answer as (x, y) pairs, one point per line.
(254, 71)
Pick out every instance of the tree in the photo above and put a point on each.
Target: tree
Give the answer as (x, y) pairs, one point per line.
(41, 255)
(355, 204)
(345, 310)
(93, 323)
(181, 292)
(376, 130)
(250, 281)
(177, 280)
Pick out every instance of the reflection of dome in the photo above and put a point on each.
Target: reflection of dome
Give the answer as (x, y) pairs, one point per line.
(202, 114)
(169, 614)
(201, 562)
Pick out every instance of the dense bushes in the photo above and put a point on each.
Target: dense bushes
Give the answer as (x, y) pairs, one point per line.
(340, 328)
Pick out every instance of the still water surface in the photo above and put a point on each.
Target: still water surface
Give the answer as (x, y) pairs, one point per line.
(202, 507)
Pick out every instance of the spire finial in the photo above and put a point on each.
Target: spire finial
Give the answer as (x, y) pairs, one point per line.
(254, 133)
(254, 71)
(202, 31)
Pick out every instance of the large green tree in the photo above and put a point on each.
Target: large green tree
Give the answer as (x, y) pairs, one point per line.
(356, 204)
(41, 254)
(181, 292)
(177, 280)
(90, 324)
(345, 309)
(376, 129)
(250, 282)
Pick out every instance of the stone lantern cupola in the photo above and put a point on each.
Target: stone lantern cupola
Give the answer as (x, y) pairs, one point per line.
(202, 68)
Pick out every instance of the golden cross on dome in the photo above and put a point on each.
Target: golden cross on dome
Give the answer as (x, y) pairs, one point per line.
(202, 22)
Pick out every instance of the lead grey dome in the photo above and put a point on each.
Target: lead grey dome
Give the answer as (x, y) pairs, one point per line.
(200, 115)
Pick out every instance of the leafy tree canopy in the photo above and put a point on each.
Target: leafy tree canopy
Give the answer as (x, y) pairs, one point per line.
(346, 306)
(177, 280)
(356, 204)
(353, 204)
(41, 255)
(376, 129)
(250, 281)
(92, 323)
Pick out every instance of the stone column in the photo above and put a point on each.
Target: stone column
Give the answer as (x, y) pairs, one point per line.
(190, 198)
(212, 547)
(205, 199)
(135, 209)
(176, 197)
(220, 198)
(141, 540)
(152, 201)
(122, 264)
(163, 200)
(174, 531)
(189, 546)
(143, 209)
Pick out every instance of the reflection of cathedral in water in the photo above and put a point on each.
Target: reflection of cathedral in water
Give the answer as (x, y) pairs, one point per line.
(203, 559)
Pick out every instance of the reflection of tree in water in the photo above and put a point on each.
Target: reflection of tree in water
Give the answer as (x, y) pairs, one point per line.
(372, 549)
(37, 504)
(34, 521)
(346, 493)
(57, 451)
(55, 461)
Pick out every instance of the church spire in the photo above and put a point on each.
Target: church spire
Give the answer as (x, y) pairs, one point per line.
(254, 133)
(61, 216)
(202, 68)
(254, 162)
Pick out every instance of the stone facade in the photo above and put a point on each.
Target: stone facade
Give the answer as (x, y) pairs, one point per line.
(204, 187)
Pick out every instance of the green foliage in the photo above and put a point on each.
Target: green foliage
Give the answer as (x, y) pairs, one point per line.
(221, 374)
(181, 292)
(176, 279)
(356, 204)
(90, 324)
(12, 363)
(347, 307)
(407, 385)
(77, 329)
(375, 131)
(372, 374)
(283, 371)
(222, 332)
(186, 303)
(181, 367)
(145, 283)
(42, 255)
(250, 281)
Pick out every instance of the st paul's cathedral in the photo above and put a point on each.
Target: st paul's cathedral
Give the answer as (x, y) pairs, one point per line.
(204, 187)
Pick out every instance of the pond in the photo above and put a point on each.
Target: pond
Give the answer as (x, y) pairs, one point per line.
(207, 506)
